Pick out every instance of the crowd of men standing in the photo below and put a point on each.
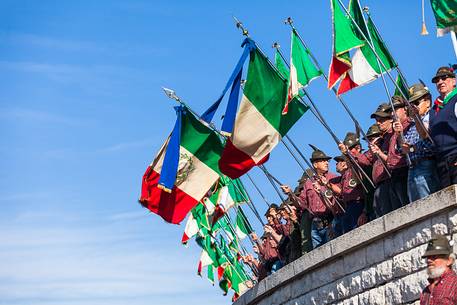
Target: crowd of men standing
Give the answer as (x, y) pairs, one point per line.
(412, 153)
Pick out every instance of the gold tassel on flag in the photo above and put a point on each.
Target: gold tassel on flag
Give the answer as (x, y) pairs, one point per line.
(424, 28)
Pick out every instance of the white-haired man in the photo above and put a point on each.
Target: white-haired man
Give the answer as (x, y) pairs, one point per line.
(442, 289)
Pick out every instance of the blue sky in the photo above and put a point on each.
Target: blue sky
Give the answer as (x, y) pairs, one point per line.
(82, 114)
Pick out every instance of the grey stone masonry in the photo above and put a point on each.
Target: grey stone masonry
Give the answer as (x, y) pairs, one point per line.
(377, 263)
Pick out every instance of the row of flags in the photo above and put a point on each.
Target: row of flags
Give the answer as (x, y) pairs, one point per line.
(197, 169)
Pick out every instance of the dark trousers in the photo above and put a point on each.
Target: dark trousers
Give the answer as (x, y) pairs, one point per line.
(447, 170)
(305, 232)
(353, 211)
(391, 194)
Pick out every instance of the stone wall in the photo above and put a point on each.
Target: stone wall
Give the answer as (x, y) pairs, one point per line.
(378, 263)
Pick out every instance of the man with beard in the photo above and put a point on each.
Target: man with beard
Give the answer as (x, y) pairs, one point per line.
(442, 288)
(443, 125)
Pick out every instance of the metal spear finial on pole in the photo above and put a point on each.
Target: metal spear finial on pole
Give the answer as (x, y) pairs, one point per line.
(240, 26)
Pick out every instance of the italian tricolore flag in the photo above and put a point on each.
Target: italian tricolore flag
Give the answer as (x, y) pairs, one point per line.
(344, 40)
(259, 124)
(199, 151)
(302, 70)
(365, 66)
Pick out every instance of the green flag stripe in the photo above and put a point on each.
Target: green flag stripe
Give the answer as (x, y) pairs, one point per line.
(344, 37)
(381, 50)
(201, 141)
(281, 65)
(445, 13)
(306, 71)
(266, 90)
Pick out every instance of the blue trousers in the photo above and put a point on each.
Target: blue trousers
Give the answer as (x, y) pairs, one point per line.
(319, 233)
(275, 267)
(422, 180)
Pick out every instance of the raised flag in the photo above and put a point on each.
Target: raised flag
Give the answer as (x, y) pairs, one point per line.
(259, 124)
(445, 12)
(302, 69)
(364, 63)
(231, 192)
(402, 86)
(208, 256)
(198, 220)
(198, 154)
(344, 40)
(243, 228)
(281, 65)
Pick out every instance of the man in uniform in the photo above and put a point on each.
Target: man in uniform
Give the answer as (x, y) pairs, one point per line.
(317, 198)
(422, 174)
(443, 125)
(351, 191)
(397, 161)
(380, 175)
(442, 288)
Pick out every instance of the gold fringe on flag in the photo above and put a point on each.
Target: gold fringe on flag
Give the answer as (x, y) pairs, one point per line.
(163, 188)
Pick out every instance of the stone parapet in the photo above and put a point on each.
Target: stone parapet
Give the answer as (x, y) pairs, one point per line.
(378, 263)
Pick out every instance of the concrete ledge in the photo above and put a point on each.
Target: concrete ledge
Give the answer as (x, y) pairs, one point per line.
(363, 240)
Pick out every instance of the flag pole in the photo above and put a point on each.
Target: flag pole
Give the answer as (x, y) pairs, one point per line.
(418, 119)
(378, 58)
(250, 203)
(389, 96)
(289, 21)
(366, 10)
(272, 179)
(228, 260)
(245, 32)
(357, 168)
(258, 190)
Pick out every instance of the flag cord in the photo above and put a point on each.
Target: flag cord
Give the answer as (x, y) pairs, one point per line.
(339, 98)
(358, 169)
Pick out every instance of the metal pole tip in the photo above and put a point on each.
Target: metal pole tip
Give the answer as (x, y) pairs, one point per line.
(275, 45)
(288, 20)
(170, 93)
(366, 9)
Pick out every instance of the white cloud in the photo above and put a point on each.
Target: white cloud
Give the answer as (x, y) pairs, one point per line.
(39, 116)
(96, 259)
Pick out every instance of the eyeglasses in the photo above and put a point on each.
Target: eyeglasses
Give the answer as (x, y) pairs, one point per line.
(438, 78)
